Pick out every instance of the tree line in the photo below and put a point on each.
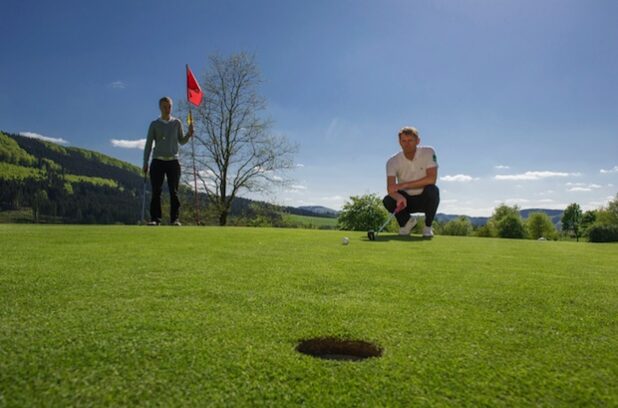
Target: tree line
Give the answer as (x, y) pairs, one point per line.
(365, 212)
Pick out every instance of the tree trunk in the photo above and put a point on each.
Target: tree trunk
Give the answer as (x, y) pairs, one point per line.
(223, 218)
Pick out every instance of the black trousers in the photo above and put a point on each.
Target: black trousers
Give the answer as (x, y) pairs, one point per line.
(158, 170)
(427, 202)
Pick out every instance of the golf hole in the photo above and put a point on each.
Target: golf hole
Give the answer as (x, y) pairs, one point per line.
(331, 348)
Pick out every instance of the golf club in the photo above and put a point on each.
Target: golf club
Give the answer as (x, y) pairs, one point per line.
(144, 200)
(372, 235)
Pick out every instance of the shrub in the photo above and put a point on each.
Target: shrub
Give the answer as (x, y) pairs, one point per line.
(603, 233)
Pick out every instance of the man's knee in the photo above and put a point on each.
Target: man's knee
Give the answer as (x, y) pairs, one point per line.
(389, 202)
(432, 191)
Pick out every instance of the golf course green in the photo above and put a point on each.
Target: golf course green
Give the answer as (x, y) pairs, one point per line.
(208, 316)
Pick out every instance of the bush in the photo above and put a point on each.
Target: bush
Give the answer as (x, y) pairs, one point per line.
(511, 226)
(603, 233)
(540, 225)
(459, 227)
(362, 213)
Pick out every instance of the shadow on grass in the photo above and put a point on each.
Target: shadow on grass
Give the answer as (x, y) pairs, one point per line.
(395, 237)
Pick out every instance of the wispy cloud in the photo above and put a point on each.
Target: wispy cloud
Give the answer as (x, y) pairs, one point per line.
(534, 175)
(33, 135)
(582, 187)
(117, 84)
(501, 167)
(298, 187)
(459, 178)
(614, 170)
(300, 165)
(129, 144)
(512, 201)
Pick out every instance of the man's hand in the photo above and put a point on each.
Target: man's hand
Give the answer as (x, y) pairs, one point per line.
(401, 203)
(145, 169)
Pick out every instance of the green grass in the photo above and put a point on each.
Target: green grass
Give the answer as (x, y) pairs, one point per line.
(123, 316)
(308, 221)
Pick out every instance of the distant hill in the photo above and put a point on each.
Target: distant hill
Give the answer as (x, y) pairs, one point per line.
(47, 182)
(554, 215)
(320, 210)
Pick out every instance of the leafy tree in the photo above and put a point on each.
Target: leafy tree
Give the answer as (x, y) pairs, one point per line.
(572, 220)
(511, 226)
(588, 220)
(235, 149)
(539, 225)
(362, 213)
(485, 231)
(39, 201)
(608, 215)
(460, 226)
(505, 222)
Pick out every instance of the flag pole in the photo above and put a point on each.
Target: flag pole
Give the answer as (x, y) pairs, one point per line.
(193, 86)
(197, 201)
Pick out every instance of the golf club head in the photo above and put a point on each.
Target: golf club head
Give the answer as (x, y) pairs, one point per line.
(371, 235)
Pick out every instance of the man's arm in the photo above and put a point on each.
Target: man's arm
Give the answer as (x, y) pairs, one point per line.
(182, 138)
(431, 176)
(148, 147)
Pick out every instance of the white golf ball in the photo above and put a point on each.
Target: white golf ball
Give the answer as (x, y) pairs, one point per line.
(345, 240)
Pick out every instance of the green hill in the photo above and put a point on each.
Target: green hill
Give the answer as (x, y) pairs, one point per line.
(42, 181)
(65, 184)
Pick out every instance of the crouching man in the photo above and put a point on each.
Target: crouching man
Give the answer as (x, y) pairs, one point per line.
(411, 183)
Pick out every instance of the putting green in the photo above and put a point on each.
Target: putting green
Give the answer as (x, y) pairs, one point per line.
(212, 317)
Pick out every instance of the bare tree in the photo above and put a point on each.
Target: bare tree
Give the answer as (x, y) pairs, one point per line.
(235, 150)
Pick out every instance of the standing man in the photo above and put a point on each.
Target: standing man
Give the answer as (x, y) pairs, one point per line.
(167, 134)
(411, 182)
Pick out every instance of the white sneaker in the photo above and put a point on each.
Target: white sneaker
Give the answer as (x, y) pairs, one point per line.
(406, 229)
(427, 232)
(176, 223)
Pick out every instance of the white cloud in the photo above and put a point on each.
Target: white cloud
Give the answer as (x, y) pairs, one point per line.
(277, 178)
(300, 165)
(298, 187)
(546, 200)
(501, 167)
(511, 201)
(581, 187)
(129, 144)
(534, 175)
(117, 84)
(460, 178)
(33, 135)
(613, 170)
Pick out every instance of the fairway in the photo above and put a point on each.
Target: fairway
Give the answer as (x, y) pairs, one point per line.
(121, 316)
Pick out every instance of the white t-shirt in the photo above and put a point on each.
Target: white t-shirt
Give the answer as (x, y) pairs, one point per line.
(408, 170)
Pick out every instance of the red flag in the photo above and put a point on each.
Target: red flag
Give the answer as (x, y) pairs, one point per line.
(194, 92)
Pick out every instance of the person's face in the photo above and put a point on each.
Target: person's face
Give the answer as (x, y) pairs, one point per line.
(408, 143)
(166, 108)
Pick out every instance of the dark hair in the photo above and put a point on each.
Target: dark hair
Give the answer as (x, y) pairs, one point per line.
(409, 131)
(165, 98)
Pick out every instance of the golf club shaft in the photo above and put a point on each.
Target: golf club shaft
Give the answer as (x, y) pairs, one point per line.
(390, 217)
(144, 200)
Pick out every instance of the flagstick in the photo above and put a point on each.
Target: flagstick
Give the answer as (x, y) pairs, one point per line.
(197, 201)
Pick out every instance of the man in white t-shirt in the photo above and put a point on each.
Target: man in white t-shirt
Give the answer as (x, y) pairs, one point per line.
(411, 183)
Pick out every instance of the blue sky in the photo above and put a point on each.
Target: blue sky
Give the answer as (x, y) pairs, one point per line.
(519, 98)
